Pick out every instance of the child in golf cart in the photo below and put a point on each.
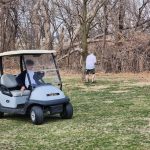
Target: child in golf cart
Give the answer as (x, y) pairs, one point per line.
(23, 80)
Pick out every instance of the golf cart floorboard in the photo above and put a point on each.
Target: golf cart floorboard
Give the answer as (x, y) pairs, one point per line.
(12, 110)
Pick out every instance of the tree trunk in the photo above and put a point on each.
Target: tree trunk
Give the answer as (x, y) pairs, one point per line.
(84, 36)
(105, 25)
(121, 14)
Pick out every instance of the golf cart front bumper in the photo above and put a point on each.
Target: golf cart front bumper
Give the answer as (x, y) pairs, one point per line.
(52, 106)
(50, 102)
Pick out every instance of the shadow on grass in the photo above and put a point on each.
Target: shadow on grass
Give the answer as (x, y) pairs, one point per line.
(17, 117)
(54, 118)
(26, 118)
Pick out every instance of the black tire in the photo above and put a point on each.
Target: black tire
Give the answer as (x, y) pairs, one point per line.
(67, 112)
(1, 114)
(36, 115)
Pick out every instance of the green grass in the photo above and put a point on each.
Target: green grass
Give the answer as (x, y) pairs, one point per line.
(108, 115)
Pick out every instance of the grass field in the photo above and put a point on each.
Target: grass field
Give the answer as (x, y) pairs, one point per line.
(112, 114)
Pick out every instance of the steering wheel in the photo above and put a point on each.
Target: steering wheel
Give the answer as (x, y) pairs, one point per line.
(38, 77)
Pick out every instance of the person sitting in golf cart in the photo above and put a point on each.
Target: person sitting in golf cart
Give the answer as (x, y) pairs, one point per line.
(22, 78)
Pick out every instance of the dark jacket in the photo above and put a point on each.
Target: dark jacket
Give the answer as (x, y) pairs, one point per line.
(21, 78)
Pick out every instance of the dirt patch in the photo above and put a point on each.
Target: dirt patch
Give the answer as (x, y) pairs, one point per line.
(120, 91)
(108, 102)
(140, 84)
(93, 88)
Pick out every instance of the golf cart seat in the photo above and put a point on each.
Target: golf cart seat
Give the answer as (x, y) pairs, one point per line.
(9, 81)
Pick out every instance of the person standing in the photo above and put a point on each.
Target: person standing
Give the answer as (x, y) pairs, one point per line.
(90, 66)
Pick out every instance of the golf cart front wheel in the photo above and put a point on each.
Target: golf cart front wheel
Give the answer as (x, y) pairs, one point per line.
(36, 115)
(67, 112)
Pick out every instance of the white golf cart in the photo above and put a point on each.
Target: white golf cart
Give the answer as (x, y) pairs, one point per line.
(46, 96)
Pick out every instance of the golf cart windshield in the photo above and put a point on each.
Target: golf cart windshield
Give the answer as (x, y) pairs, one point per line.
(44, 68)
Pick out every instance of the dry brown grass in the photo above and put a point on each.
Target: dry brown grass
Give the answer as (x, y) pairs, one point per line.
(141, 77)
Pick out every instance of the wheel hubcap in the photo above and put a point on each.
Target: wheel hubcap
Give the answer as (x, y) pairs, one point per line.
(33, 115)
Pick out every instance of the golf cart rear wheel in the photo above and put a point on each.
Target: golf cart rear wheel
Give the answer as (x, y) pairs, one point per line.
(1, 114)
(67, 112)
(36, 115)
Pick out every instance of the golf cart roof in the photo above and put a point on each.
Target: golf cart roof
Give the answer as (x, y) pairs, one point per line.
(26, 52)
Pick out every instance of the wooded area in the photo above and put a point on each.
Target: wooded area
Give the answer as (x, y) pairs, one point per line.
(117, 30)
